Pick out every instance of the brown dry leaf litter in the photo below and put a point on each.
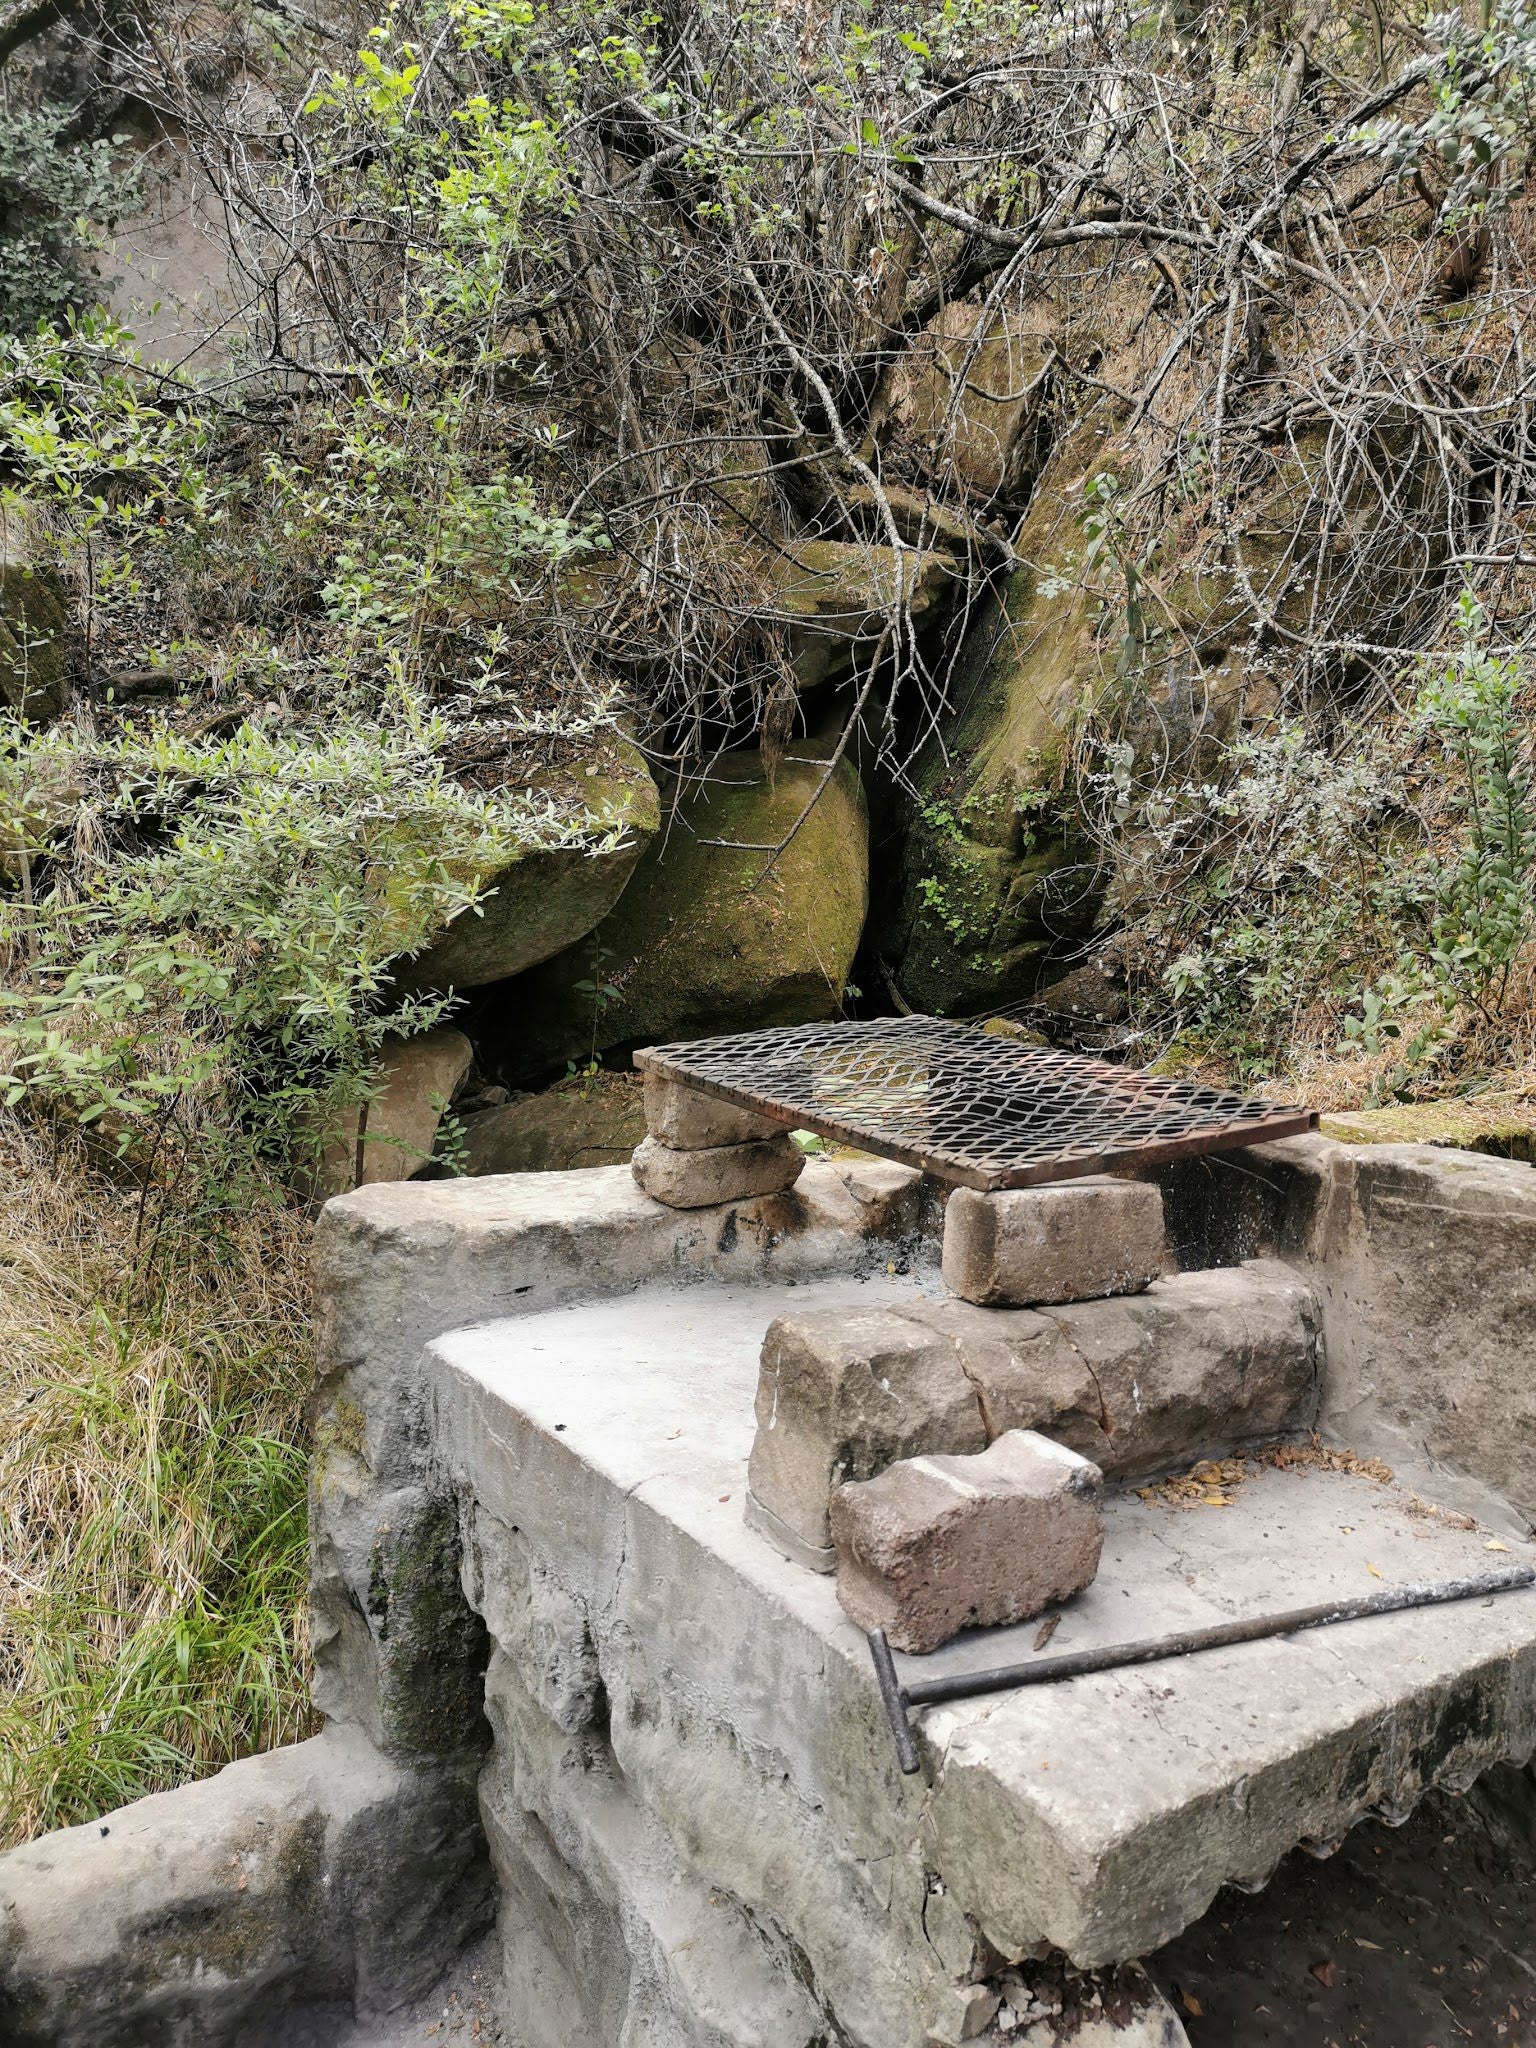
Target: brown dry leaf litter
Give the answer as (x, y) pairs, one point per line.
(1214, 1481)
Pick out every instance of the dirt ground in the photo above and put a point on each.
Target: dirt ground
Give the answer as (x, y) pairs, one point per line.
(1418, 1937)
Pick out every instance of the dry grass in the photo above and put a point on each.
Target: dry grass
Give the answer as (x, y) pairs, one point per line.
(152, 1491)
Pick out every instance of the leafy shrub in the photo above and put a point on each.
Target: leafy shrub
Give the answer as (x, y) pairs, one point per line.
(1370, 894)
(56, 197)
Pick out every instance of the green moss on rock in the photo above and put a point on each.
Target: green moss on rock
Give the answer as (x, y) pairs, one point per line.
(713, 933)
(548, 898)
(1503, 1125)
(34, 629)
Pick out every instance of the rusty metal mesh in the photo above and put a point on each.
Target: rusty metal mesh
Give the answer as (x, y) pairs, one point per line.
(983, 1111)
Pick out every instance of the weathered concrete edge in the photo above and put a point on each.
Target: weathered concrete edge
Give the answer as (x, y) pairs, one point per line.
(297, 1880)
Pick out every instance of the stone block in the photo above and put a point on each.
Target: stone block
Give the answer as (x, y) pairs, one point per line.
(689, 1120)
(390, 1136)
(1073, 1241)
(840, 1396)
(722, 1173)
(1197, 1364)
(938, 1544)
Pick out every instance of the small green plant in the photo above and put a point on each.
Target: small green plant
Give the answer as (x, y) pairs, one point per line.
(593, 988)
(934, 896)
(1471, 900)
(58, 198)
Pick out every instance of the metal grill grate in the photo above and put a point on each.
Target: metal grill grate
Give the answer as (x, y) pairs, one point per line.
(982, 1111)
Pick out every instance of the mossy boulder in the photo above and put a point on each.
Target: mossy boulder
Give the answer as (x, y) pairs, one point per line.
(549, 897)
(835, 598)
(589, 1120)
(713, 933)
(996, 875)
(34, 631)
(966, 405)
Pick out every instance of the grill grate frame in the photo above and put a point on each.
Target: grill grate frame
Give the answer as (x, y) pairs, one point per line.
(970, 1108)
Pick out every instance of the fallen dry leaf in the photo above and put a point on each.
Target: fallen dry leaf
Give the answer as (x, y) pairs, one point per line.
(1323, 1972)
(1372, 1570)
(1493, 1543)
(1046, 1630)
(1192, 2005)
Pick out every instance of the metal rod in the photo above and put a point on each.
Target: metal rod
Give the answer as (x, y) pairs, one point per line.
(894, 1700)
(1115, 1656)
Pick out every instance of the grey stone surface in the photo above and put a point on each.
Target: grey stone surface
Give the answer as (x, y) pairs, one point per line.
(716, 1689)
(1193, 1366)
(938, 1544)
(1075, 1240)
(1424, 1263)
(221, 1913)
(719, 1173)
(399, 1652)
(840, 1396)
(687, 1118)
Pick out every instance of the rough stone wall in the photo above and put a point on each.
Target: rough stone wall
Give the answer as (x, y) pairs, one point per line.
(1424, 1262)
(400, 1653)
(314, 1879)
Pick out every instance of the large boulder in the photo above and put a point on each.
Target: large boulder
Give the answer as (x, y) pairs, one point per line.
(715, 933)
(996, 875)
(967, 403)
(835, 598)
(34, 626)
(550, 897)
(587, 1120)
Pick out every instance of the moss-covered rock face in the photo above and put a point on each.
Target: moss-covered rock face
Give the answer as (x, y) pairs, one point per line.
(835, 598)
(33, 642)
(995, 874)
(548, 899)
(1501, 1125)
(589, 1120)
(964, 406)
(712, 937)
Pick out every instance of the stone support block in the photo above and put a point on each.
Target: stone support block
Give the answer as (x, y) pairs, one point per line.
(1073, 1241)
(938, 1544)
(721, 1173)
(689, 1120)
(1195, 1366)
(840, 1396)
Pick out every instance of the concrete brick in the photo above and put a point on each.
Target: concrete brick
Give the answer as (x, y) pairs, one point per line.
(840, 1396)
(689, 1120)
(1075, 1241)
(938, 1544)
(721, 1173)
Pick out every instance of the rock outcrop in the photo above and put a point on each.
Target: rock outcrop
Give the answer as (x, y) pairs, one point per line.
(715, 932)
(589, 1120)
(34, 626)
(549, 898)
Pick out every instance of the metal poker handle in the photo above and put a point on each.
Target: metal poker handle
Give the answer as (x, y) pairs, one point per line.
(898, 1698)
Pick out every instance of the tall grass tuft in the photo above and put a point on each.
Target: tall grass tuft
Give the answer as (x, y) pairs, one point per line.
(152, 1490)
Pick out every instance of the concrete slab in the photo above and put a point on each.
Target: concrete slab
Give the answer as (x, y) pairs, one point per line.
(1098, 1817)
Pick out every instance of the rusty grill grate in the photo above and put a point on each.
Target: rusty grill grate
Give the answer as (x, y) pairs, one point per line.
(982, 1111)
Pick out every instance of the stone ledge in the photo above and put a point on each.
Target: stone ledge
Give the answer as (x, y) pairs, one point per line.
(616, 1440)
(221, 1912)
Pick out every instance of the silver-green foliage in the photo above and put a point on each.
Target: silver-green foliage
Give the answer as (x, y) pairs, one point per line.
(53, 196)
(1374, 891)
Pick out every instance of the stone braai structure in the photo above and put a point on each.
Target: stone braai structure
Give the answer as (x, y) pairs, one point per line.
(586, 1677)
